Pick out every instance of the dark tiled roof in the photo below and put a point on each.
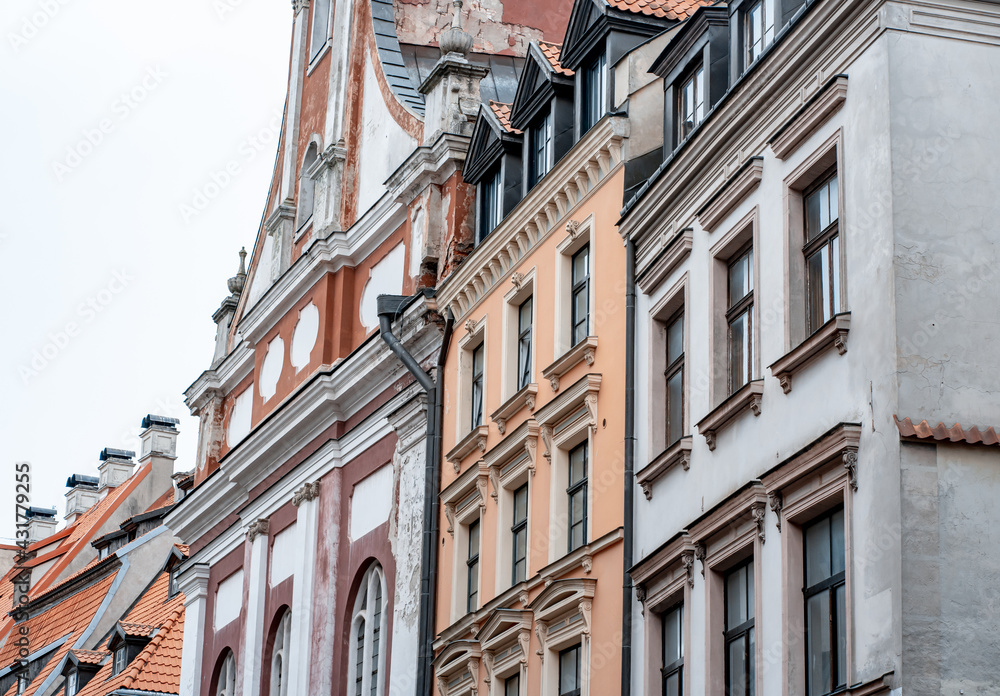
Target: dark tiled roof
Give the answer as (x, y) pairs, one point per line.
(384, 23)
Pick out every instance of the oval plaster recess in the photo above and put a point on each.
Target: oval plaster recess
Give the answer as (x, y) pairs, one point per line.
(239, 418)
(262, 274)
(304, 336)
(385, 278)
(270, 370)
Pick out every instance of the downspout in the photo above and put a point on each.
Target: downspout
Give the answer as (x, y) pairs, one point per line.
(629, 466)
(389, 307)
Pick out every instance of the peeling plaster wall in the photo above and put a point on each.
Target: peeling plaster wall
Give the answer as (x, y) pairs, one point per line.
(947, 244)
(496, 27)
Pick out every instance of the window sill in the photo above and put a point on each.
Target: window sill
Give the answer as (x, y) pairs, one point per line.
(677, 453)
(315, 60)
(476, 439)
(525, 397)
(584, 350)
(748, 397)
(833, 334)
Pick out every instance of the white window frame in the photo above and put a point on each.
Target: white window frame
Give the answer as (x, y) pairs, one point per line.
(513, 300)
(464, 501)
(363, 611)
(562, 614)
(226, 685)
(316, 53)
(466, 345)
(577, 237)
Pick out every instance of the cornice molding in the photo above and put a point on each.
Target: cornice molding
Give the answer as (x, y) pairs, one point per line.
(536, 216)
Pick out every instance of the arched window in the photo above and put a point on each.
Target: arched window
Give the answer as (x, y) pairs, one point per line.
(368, 626)
(279, 656)
(225, 682)
(307, 185)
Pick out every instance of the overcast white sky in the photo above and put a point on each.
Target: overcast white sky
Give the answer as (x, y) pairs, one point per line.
(114, 114)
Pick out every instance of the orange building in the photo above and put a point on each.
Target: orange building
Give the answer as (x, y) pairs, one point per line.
(532, 541)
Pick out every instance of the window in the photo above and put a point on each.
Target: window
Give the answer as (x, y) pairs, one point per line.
(577, 492)
(320, 27)
(740, 317)
(740, 631)
(580, 313)
(366, 666)
(72, 683)
(595, 93)
(478, 355)
(822, 252)
(759, 20)
(519, 535)
(524, 312)
(490, 197)
(675, 378)
(22, 684)
(569, 672)
(825, 605)
(691, 103)
(672, 671)
(307, 186)
(121, 659)
(279, 654)
(512, 686)
(225, 684)
(540, 157)
(472, 569)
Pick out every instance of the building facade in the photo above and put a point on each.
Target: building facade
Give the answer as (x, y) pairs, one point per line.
(304, 523)
(811, 269)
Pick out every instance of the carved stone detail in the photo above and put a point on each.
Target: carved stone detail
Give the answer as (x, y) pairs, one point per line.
(442, 686)
(700, 552)
(470, 326)
(488, 667)
(640, 593)
(758, 510)
(776, 501)
(541, 630)
(647, 489)
(531, 447)
(586, 606)
(523, 598)
(308, 491)
(481, 485)
(840, 342)
(851, 464)
(589, 355)
(573, 228)
(785, 380)
(755, 402)
(591, 401)
(517, 279)
(554, 383)
(587, 562)
(524, 638)
(687, 560)
(710, 440)
(258, 527)
(495, 482)
(449, 513)
(547, 441)
(473, 666)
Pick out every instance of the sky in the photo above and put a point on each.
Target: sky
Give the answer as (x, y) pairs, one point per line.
(138, 142)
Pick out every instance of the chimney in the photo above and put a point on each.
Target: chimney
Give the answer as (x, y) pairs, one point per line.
(451, 90)
(115, 468)
(41, 523)
(159, 443)
(81, 496)
(223, 316)
(183, 483)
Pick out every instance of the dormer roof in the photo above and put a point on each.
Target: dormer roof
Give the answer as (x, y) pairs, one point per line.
(543, 76)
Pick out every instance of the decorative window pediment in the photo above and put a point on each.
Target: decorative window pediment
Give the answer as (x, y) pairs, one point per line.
(491, 139)
(457, 668)
(461, 494)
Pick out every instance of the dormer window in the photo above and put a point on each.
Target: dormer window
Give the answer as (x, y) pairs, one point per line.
(594, 100)
(121, 659)
(541, 148)
(759, 29)
(691, 102)
(72, 683)
(490, 199)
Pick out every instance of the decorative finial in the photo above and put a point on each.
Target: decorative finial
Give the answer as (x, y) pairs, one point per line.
(237, 282)
(454, 40)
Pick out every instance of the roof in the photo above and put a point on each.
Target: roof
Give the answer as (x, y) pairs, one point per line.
(500, 82)
(668, 9)
(136, 630)
(89, 657)
(157, 667)
(942, 433)
(551, 52)
(502, 112)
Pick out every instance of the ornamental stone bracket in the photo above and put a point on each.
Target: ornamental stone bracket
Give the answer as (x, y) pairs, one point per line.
(547, 441)
(258, 527)
(776, 501)
(687, 560)
(449, 514)
(700, 552)
(308, 491)
(541, 631)
(850, 457)
(757, 510)
(524, 639)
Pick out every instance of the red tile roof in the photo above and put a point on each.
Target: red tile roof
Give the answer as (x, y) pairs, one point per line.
(136, 629)
(551, 52)
(956, 433)
(157, 667)
(502, 112)
(670, 9)
(89, 657)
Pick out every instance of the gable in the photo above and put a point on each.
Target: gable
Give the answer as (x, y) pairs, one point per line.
(538, 84)
(582, 27)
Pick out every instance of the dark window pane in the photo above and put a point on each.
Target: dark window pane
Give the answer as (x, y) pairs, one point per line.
(675, 340)
(673, 642)
(840, 634)
(817, 552)
(675, 414)
(739, 350)
(512, 686)
(818, 648)
(569, 671)
(837, 551)
(736, 658)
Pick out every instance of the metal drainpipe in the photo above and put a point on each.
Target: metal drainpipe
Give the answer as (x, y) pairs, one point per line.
(389, 307)
(629, 466)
